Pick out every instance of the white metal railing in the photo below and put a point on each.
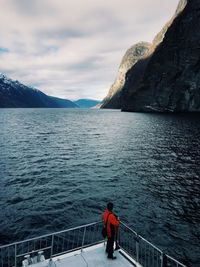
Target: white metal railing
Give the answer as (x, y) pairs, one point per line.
(144, 252)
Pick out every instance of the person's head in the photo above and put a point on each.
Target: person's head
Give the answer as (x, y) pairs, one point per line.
(110, 206)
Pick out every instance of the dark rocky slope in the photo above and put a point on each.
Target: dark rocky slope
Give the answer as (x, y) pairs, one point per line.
(134, 64)
(131, 57)
(166, 78)
(16, 95)
(171, 81)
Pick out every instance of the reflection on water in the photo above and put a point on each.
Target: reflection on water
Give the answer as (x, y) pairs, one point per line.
(59, 167)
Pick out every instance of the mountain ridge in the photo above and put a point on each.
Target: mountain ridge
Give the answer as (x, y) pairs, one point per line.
(166, 79)
(131, 57)
(171, 82)
(14, 94)
(87, 103)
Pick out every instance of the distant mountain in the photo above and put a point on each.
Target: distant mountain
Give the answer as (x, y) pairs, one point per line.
(14, 94)
(87, 103)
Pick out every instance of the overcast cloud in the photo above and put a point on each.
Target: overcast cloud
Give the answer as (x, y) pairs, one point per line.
(72, 49)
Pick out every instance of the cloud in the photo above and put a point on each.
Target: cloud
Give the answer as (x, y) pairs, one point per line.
(72, 49)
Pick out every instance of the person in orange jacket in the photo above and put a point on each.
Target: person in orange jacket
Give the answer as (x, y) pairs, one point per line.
(112, 222)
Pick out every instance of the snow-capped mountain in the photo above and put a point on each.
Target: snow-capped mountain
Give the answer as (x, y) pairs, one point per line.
(14, 94)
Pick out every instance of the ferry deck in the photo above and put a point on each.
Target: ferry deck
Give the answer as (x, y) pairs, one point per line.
(84, 246)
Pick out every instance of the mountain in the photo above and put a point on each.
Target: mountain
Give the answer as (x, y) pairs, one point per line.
(87, 103)
(14, 94)
(171, 81)
(167, 78)
(131, 57)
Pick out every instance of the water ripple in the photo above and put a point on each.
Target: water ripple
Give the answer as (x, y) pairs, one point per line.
(58, 168)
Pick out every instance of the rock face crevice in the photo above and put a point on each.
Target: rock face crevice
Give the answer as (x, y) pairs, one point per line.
(167, 77)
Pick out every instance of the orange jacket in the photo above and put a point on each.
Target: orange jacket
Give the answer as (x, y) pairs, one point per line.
(112, 220)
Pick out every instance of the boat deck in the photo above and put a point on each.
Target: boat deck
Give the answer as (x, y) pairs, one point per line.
(93, 256)
(84, 246)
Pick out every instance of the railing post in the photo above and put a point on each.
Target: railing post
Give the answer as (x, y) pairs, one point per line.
(15, 255)
(83, 241)
(52, 243)
(165, 260)
(161, 258)
(137, 248)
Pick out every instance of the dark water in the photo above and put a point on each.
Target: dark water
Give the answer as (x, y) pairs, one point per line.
(59, 167)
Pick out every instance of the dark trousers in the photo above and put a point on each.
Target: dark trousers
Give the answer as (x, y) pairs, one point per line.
(109, 247)
(116, 239)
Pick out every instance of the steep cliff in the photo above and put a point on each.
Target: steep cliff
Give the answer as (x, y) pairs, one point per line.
(171, 82)
(132, 56)
(165, 77)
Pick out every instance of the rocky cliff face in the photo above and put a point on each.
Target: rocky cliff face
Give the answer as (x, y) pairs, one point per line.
(160, 36)
(134, 64)
(16, 95)
(171, 81)
(166, 78)
(132, 56)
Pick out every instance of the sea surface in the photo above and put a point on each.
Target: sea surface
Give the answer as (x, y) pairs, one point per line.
(59, 167)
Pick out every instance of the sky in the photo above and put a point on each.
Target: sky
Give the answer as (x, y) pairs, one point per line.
(73, 48)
